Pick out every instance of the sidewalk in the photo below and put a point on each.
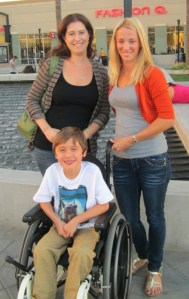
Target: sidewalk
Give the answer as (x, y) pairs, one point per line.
(5, 68)
(175, 272)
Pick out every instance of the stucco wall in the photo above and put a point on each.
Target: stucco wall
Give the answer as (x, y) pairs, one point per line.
(27, 18)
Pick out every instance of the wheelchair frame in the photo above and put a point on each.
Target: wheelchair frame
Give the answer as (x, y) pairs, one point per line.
(111, 273)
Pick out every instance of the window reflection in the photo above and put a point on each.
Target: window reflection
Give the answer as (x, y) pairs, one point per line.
(151, 39)
(172, 39)
(3, 54)
(34, 47)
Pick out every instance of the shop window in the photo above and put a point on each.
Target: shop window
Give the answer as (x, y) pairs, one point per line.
(172, 39)
(3, 54)
(2, 35)
(151, 39)
(109, 37)
(34, 47)
(94, 41)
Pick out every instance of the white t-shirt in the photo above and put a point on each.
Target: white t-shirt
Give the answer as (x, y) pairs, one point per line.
(73, 196)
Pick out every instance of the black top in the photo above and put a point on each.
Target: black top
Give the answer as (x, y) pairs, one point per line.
(71, 106)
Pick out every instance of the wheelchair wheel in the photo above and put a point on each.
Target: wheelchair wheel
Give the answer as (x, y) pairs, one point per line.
(25, 290)
(118, 260)
(33, 234)
(123, 262)
(84, 288)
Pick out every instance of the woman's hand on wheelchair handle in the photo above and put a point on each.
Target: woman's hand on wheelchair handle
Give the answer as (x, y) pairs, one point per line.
(121, 143)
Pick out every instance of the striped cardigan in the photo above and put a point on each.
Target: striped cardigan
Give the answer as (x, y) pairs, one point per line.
(43, 87)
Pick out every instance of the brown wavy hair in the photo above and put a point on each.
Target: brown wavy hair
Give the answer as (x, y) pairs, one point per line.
(61, 49)
(67, 133)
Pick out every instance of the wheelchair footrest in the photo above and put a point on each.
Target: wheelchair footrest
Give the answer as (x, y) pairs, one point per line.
(11, 261)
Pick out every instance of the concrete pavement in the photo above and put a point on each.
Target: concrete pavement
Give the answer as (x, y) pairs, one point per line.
(175, 271)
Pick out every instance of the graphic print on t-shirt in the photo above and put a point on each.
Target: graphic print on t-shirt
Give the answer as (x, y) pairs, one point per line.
(72, 202)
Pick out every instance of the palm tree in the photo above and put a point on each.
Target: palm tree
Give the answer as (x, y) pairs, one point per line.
(58, 11)
(187, 31)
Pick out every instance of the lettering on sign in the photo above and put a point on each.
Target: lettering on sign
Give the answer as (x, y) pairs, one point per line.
(115, 12)
(160, 10)
(140, 11)
(119, 12)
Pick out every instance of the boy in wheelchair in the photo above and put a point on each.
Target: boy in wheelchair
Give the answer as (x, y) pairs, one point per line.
(80, 195)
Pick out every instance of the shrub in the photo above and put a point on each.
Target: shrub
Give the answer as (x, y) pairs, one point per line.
(180, 66)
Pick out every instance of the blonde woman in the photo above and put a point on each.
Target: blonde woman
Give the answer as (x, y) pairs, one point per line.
(141, 165)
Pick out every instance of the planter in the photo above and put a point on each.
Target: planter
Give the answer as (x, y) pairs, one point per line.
(178, 72)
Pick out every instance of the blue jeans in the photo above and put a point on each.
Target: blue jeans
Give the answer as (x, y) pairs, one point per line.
(148, 176)
(44, 159)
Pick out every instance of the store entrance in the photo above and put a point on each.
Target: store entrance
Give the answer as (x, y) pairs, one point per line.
(34, 47)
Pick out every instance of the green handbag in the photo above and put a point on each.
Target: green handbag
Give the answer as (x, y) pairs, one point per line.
(25, 124)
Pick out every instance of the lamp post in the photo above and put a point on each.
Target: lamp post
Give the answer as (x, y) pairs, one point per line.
(178, 28)
(127, 8)
(39, 42)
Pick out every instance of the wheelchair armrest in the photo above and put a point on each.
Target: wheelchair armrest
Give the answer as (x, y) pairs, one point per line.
(103, 220)
(33, 214)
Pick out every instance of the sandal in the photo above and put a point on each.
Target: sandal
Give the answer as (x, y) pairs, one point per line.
(139, 264)
(153, 284)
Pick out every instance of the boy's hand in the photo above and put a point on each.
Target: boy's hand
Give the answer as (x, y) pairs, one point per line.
(66, 230)
(70, 228)
(60, 228)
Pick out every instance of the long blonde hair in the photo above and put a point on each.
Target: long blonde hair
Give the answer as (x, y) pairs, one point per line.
(144, 61)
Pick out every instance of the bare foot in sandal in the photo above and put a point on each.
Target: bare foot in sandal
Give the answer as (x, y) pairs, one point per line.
(139, 264)
(153, 284)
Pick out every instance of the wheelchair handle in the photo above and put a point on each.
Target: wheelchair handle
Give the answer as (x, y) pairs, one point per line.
(108, 168)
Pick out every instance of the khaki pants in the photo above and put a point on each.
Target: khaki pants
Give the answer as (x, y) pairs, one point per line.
(46, 256)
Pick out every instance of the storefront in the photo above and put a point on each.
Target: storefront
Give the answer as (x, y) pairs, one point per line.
(33, 27)
(33, 47)
(4, 52)
(4, 37)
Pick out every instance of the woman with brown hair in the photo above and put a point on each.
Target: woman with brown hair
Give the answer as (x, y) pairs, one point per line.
(77, 93)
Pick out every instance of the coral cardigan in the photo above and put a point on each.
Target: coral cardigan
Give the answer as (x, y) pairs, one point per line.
(154, 99)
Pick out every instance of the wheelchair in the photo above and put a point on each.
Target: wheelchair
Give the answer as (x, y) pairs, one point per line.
(111, 274)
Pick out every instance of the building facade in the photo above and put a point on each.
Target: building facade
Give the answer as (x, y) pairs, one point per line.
(28, 28)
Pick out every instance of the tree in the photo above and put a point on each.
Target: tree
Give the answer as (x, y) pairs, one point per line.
(58, 12)
(187, 31)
